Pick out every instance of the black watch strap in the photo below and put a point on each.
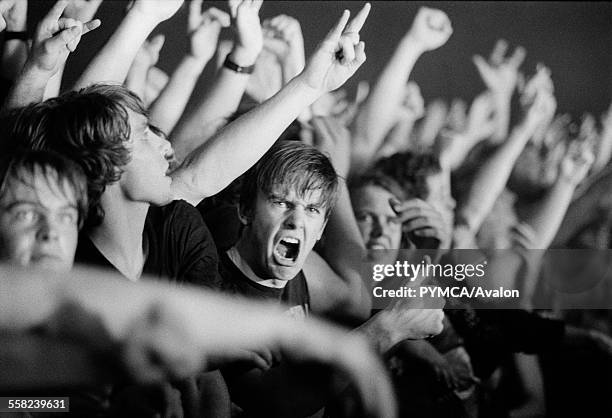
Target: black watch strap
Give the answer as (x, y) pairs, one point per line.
(231, 65)
(21, 35)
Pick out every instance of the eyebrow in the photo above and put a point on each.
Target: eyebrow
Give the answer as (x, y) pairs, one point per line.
(16, 203)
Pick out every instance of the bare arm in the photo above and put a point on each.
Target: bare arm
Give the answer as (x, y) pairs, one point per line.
(55, 38)
(223, 98)
(213, 165)
(15, 51)
(493, 175)
(112, 63)
(430, 30)
(146, 317)
(545, 218)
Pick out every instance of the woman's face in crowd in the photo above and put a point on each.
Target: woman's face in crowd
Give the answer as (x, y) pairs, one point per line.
(282, 231)
(39, 224)
(376, 219)
(145, 178)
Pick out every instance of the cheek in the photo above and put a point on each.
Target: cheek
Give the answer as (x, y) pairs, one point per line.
(16, 243)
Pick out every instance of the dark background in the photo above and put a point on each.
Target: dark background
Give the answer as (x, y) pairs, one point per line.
(574, 39)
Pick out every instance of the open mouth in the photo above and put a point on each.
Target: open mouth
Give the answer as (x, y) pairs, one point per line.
(287, 251)
(375, 245)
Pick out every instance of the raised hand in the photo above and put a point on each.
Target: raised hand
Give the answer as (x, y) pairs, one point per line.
(249, 37)
(413, 105)
(148, 55)
(333, 139)
(541, 111)
(500, 74)
(156, 82)
(339, 55)
(431, 28)
(481, 118)
(457, 117)
(13, 15)
(156, 11)
(83, 10)
(56, 37)
(423, 222)
(577, 161)
(203, 30)
(287, 33)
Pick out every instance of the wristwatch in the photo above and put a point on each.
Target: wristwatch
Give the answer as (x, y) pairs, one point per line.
(231, 65)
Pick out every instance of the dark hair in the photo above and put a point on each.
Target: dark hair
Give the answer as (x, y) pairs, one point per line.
(89, 126)
(290, 165)
(57, 170)
(410, 170)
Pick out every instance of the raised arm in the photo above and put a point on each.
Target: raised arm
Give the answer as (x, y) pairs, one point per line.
(545, 217)
(145, 59)
(164, 331)
(343, 249)
(112, 63)
(430, 30)
(55, 38)
(203, 32)
(13, 18)
(500, 75)
(223, 98)
(492, 177)
(83, 11)
(212, 166)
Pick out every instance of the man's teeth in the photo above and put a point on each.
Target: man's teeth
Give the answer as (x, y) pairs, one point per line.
(289, 240)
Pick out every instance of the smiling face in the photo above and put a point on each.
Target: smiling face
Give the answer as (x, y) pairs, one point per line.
(145, 177)
(377, 220)
(39, 222)
(281, 231)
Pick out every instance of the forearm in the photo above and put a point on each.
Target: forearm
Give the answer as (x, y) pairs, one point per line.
(55, 83)
(375, 118)
(344, 251)
(14, 56)
(112, 63)
(239, 145)
(169, 106)
(220, 101)
(29, 87)
(502, 116)
(547, 215)
(492, 178)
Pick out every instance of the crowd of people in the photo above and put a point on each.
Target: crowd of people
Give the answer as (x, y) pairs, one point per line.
(160, 260)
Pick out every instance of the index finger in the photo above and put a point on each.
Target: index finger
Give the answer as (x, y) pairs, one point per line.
(336, 32)
(356, 24)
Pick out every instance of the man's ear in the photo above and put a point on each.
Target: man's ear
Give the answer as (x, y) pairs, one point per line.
(244, 216)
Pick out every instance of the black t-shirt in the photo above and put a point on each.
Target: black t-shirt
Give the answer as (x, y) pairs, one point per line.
(294, 295)
(285, 389)
(178, 246)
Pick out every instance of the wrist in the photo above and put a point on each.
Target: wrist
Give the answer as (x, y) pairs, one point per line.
(309, 92)
(196, 63)
(243, 56)
(416, 45)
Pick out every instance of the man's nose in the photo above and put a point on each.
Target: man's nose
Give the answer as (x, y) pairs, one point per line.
(377, 228)
(47, 230)
(295, 218)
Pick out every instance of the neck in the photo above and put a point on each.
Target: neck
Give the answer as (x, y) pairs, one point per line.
(247, 264)
(119, 237)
